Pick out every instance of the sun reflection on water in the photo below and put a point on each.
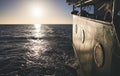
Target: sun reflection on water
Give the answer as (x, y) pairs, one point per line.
(37, 46)
(38, 30)
(37, 27)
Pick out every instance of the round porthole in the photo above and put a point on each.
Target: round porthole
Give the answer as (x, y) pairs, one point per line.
(98, 55)
(83, 36)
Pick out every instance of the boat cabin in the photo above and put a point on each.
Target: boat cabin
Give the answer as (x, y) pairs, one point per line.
(104, 10)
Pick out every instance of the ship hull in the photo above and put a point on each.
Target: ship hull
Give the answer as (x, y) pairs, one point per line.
(94, 42)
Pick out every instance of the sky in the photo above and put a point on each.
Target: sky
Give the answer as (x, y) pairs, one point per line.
(35, 12)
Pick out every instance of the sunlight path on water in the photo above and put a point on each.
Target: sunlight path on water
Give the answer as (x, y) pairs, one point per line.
(37, 30)
(37, 46)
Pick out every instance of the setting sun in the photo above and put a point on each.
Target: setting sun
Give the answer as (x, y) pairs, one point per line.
(36, 11)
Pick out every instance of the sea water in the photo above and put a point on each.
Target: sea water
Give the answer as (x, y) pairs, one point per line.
(36, 50)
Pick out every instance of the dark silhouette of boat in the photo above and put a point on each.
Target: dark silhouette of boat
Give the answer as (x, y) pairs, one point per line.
(96, 36)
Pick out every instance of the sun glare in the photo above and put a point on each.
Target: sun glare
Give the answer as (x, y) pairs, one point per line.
(37, 11)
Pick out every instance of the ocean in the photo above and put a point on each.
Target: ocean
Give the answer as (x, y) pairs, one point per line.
(36, 50)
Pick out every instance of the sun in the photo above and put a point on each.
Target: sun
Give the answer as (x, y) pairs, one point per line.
(37, 11)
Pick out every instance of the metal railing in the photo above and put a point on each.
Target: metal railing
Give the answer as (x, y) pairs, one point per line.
(77, 2)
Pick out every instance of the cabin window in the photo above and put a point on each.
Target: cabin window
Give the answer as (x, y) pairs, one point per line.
(89, 9)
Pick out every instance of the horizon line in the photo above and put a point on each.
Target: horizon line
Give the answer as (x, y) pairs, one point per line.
(33, 24)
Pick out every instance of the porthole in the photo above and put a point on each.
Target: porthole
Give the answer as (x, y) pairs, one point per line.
(98, 55)
(83, 36)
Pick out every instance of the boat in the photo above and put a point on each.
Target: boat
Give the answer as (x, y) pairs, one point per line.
(96, 36)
